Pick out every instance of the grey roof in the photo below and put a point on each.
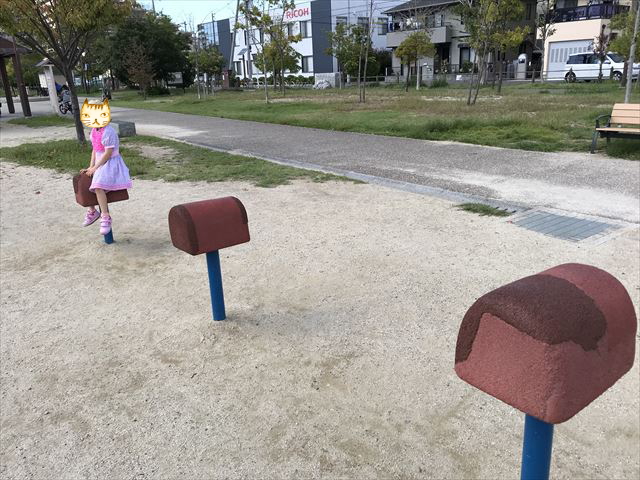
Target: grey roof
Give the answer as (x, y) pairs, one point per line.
(413, 4)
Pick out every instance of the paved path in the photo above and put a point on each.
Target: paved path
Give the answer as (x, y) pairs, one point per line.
(576, 182)
(584, 183)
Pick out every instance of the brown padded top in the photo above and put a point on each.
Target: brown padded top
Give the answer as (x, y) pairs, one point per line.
(549, 309)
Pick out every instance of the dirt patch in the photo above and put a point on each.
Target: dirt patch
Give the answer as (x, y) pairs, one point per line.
(156, 152)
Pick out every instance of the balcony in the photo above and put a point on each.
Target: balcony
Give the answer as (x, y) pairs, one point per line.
(437, 34)
(588, 12)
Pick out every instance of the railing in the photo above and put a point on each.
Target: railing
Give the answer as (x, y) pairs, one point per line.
(587, 12)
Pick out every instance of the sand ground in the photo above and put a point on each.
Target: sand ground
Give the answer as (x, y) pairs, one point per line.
(336, 360)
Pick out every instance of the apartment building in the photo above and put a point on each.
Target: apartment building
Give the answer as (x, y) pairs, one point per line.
(314, 20)
(577, 23)
(448, 34)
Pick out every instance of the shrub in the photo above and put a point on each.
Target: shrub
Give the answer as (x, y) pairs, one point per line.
(158, 91)
(439, 83)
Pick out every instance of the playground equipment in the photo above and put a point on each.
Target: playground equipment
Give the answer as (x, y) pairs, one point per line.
(206, 227)
(548, 345)
(87, 198)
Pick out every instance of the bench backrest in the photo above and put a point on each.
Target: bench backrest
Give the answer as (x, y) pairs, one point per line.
(626, 114)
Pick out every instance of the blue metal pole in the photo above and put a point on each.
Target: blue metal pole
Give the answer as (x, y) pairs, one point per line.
(536, 449)
(108, 238)
(215, 285)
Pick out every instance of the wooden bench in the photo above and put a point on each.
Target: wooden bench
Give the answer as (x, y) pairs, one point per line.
(624, 122)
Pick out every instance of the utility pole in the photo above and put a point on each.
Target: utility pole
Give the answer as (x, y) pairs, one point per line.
(249, 72)
(632, 54)
(233, 37)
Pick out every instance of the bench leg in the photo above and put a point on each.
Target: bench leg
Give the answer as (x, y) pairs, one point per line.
(594, 142)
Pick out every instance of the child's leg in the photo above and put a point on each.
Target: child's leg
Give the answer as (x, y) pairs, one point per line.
(102, 201)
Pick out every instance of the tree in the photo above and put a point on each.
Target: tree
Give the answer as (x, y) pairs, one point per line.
(165, 44)
(345, 44)
(62, 30)
(490, 25)
(545, 27)
(139, 67)
(210, 61)
(600, 46)
(415, 46)
(624, 24)
(276, 53)
(29, 70)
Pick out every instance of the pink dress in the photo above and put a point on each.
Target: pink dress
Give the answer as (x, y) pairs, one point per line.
(113, 175)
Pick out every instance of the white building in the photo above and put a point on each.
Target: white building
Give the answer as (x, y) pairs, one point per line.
(314, 20)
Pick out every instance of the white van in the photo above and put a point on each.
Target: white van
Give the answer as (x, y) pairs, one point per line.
(586, 66)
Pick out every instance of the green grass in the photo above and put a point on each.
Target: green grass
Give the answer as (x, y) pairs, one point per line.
(43, 121)
(179, 162)
(483, 210)
(541, 117)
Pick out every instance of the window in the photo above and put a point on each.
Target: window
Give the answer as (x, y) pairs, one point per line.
(341, 20)
(305, 29)
(307, 64)
(465, 55)
(364, 23)
(290, 29)
(383, 26)
(236, 68)
(576, 60)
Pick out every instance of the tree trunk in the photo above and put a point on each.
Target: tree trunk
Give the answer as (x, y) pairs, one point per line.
(623, 78)
(600, 72)
(68, 75)
(481, 71)
(471, 80)
(632, 57)
(493, 73)
(500, 68)
(406, 84)
(266, 87)
(417, 76)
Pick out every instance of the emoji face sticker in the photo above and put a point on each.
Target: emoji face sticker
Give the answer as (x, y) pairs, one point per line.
(95, 115)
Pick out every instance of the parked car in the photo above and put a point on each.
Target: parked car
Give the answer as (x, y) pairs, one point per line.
(586, 66)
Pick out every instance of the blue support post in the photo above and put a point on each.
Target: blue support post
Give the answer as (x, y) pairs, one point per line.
(108, 238)
(215, 285)
(536, 449)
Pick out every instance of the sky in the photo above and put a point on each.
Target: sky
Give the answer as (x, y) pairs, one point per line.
(193, 11)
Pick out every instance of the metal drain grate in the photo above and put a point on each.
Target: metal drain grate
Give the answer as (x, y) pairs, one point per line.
(567, 227)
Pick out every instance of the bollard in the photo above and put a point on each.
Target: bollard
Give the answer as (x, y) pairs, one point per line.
(548, 345)
(207, 227)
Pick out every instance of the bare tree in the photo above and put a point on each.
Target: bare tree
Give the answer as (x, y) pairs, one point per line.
(545, 27)
(600, 46)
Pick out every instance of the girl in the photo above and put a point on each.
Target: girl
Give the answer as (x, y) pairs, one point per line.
(107, 167)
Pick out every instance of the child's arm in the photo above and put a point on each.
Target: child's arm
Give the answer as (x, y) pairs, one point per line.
(105, 157)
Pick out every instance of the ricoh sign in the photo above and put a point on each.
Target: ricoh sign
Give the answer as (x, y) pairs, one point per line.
(297, 14)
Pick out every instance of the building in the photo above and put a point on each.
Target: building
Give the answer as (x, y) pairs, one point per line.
(314, 20)
(448, 34)
(577, 23)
